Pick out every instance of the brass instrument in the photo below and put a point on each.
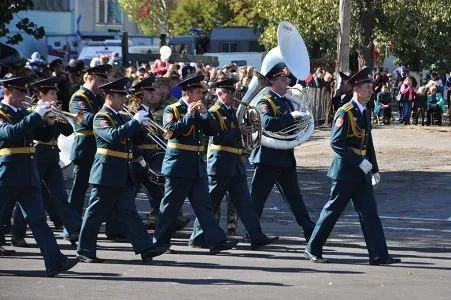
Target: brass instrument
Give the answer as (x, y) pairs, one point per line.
(59, 115)
(250, 116)
(292, 51)
(152, 127)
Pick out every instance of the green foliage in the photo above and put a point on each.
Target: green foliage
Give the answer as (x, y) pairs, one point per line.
(9, 10)
(419, 30)
(317, 22)
(199, 13)
(419, 33)
(156, 21)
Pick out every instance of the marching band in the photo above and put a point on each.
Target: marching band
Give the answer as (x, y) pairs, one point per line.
(117, 136)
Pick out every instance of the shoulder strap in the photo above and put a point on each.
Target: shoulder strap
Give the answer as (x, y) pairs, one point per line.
(83, 95)
(174, 107)
(4, 116)
(109, 117)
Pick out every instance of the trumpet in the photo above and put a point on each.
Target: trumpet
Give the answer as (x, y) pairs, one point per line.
(56, 114)
(64, 116)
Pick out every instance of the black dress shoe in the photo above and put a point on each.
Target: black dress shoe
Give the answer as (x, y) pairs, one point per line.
(58, 224)
(6, 252)
(180, 224)
(62, 267)
(73, 238)
(149, 254)
(194, 244)
(19, 243)
(90, 260)
(265, 242)
(225, 245)
(386, 261)
(314, 258)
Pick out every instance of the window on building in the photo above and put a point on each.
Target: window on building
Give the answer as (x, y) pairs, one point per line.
(255, 47)
(108, 12)
(229, 47)
(52, 5)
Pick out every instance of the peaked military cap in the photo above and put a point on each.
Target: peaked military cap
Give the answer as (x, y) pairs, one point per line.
(19, 83)
(46, 83)
(344, 76)
(362, 76)
(100, 70)
(227, 84)
(279, 70)
(145, 84)
(118, 86)
(77, 68)
(191, 83)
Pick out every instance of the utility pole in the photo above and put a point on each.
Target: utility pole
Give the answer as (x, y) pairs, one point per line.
(343, 47)
(343, 38)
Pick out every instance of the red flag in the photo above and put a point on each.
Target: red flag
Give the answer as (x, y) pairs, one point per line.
(144, 9)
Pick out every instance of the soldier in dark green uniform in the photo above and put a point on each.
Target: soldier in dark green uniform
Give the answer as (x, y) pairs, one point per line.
(184, 166)
(163, 99)
(353, 167)
(226, 171)
(273, 166)
(47, 157)
(111, 177)
(88, 100)
(19, 178)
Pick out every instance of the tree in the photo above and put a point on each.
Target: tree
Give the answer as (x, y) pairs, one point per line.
(244, 13)
(151, 15)
(8, 11)
(316, 21)
(199, 14)
(419, 34)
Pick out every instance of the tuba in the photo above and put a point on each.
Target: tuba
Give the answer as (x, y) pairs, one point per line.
(292, 51)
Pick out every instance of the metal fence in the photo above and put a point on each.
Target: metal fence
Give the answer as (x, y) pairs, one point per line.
(317, 100)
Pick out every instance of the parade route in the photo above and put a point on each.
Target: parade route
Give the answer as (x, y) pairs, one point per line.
(413, 201)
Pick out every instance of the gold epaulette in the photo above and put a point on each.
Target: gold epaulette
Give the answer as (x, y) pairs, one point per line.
(174, 106)
(267, 96)
(215, 107)
(347, 106)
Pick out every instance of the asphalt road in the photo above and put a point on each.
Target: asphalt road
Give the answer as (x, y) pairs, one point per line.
(413, 201)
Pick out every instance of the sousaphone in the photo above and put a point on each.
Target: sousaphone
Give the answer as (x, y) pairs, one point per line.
(292, 51)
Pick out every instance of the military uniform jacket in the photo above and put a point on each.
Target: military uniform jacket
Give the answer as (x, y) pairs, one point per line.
(158, 113)
(223, 161)
(16, 131)
(113, 133)
(46, 142)
(84, 146)
(144, 146)
(275, 115)
(188, 132)
(352, 142)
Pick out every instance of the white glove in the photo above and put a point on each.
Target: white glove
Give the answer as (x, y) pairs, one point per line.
(296, 114)
(42, 108)
(366, 166)
(376, 178)
(141, 116)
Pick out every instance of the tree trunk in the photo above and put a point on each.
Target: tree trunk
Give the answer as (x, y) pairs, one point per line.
(366, 34)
